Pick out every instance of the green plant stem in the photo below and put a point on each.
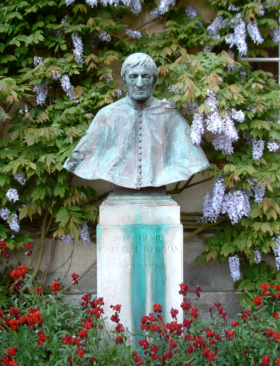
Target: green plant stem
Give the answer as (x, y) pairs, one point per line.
(50, 261)
(172, 191)
(203, 228)
(80, 277)
(187, 185)
(41, 251)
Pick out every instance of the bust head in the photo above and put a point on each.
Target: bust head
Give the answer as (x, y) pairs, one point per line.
(139, 74)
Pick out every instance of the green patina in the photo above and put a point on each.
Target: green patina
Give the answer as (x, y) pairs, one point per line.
(147, 262)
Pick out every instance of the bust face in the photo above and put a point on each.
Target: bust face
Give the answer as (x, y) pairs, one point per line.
(139, 82)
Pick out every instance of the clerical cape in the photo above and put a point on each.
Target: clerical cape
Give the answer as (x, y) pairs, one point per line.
(137, 147)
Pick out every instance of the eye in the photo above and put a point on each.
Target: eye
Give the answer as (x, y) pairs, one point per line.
(133, 76)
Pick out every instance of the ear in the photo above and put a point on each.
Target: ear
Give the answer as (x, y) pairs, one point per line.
(124, 82)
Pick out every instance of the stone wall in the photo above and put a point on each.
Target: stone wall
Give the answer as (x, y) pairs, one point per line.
(213, 277)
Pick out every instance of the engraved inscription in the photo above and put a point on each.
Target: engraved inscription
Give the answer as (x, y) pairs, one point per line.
(138, 249)
(140, 238)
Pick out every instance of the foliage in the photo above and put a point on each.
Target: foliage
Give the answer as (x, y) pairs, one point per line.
(38, 54)
(38, 329)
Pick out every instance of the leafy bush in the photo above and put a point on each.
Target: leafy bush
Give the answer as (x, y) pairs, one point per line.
(62, 54)
(41, 329)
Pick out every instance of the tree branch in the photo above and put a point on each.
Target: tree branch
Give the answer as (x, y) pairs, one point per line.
(204, 227)
(41, 251)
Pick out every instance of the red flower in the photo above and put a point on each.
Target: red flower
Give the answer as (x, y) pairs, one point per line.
(83, 334)
(265, 360)
(13, 324)
(230, 334)
(3, 245)
(234, 323)
(154, 356)
(81, 352)
(257, 300)
(190, 349)
(55, 286)
(38, 290)
(119, 328)
(28, 246)
(144, 343)
(88, 324)
(66, 339)
(14, 311)
(209, 333)
(12, 351)
(157, 308)
(42, 338)
(197, 290)
(116, 307)
(187, 323)
(212, 341)
(248, 312)
(194, 312)
(186, 364)
(174, 313)
(183, 289)
(265, 286)
(217, 304)
(115, 319)
(69, 360)
(275, 315)
(74, 278)
(186, 305)
(19, 272)
(118, 340)
(97, 312)
(155, 348)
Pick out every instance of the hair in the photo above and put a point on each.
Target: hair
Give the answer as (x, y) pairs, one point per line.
(137, 59)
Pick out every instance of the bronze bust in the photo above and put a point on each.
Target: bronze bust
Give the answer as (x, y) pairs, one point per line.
(137, 142)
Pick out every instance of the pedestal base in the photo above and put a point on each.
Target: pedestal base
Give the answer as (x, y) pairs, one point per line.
(140, 257)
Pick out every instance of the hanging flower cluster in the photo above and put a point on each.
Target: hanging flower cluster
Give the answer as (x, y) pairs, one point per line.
(13, 223)
(220, 124)
(191, 11)
(257, 256)
(84, 233)
(104, 36)
(55, 75)
(235, 204)
(68, 87)
(67, 238)
(234, 266)
(135, 5)
(42, 92)
(78, 48)
(258, 148)
(273, 146)
(20, 178)
(12, 195)
(4, 213)
(60, 32)
(133, 33)
(162, 8)
(169, 105)
(277, 252)
(38, 61)
(259, 191)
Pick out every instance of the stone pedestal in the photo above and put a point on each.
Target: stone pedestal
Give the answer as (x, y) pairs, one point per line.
(139, 257)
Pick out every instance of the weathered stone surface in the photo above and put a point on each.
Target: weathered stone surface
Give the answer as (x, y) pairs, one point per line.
(139, 264)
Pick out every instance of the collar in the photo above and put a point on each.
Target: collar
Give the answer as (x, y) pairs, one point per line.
(138, 106)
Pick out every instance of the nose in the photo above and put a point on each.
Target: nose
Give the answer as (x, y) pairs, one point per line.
(139, 82)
